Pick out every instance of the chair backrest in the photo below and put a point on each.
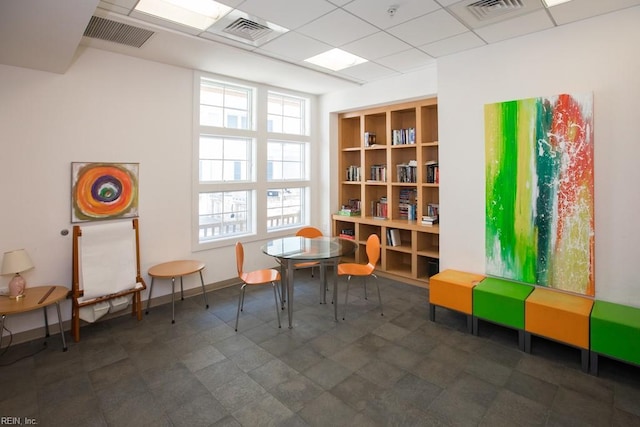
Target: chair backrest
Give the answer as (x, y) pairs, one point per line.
(240, 258)
(373, 250)
(309, 232)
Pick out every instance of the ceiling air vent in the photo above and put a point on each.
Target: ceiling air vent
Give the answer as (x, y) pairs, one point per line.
(117, 32)
(485, 9)
(247, 29)
(480, 13)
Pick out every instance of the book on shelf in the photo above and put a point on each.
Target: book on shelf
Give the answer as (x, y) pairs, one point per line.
(433, 174)
(407, 207)
(378, 173)
(429, 220)
(433, 210)
(403, 136)
(352, 208)
(347, 233)
(407, 172)
(379, 208)
(353, 173)
(393, 237)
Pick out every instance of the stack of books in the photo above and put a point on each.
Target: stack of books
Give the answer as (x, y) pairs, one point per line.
(429, 220)
(348, 233)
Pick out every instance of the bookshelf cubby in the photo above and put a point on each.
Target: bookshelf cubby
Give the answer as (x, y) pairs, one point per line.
(382, 138)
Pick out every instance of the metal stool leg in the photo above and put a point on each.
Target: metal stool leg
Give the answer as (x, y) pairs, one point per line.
(64, 343)
(204, 293)
(173, 300)
(150, 291)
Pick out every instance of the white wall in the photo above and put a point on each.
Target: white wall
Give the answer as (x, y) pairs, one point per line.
(598, 55)
(106, 107)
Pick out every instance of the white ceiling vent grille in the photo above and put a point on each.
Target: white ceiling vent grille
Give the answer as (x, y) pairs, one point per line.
(486, 9)
(117, 32)
(247, 29)
(480, 13)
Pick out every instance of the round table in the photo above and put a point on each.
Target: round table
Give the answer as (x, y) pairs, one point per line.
(171, 270)
(33, 299)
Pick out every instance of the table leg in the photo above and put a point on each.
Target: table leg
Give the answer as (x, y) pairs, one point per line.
(173, 300)
(323, 283)
(150, 291)
(335, 289)
(46, 323)
(64, 343)
(290, 292)
(181, 290)
(204, 293)
(2, 329)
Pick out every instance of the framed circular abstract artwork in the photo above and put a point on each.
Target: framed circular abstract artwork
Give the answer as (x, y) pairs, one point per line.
(102, 191)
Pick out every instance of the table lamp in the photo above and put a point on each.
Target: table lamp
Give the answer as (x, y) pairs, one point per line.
(15, 262)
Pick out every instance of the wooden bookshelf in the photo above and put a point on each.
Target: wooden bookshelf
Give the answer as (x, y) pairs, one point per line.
(405, 133)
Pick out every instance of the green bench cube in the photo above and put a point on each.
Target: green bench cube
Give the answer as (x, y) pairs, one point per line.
(502, 302)
(615, 333)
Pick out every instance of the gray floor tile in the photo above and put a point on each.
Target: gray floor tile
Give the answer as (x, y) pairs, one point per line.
(398, 369)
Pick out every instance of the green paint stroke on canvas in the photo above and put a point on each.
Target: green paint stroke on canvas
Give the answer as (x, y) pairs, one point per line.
(539, 191)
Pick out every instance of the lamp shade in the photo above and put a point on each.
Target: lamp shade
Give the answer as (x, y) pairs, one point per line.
(15, 262)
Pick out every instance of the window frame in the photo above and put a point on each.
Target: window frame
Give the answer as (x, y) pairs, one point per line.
(258, 184)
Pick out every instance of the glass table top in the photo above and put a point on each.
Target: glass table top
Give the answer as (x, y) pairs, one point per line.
(302, 248)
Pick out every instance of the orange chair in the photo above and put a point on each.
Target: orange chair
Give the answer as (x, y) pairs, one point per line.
(363, 270)
(257, 277)
(310, 233)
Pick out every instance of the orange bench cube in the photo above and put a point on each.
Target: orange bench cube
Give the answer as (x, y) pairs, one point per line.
(559, 316)
(453, 289)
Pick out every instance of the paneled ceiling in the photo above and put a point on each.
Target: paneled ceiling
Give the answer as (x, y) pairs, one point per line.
(395, 36)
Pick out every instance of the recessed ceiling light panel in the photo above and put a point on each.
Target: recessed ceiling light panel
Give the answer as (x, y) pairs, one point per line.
(200, 14)
(551, 3)
(336, 59)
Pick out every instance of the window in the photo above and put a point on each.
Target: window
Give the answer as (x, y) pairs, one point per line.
(251, 162)
(287, 114)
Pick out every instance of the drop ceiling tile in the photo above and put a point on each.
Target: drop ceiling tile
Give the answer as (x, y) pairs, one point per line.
(376, 46)
(114, 8)
(290, 14)
(338, 28)
(376, 11)
(406, 61)
(340, 2)
(428, 28)
(519, 26)
(453, 44)
(445, 3)
(577, 10)
(295, 46)
(368, 71)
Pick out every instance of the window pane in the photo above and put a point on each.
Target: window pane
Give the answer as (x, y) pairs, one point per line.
(223, 214)
(225, 158)
(285, 207)
(225, 105)
(287, 114)
(287, 160)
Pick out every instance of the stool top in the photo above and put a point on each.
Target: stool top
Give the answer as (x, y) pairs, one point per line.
(176, 268)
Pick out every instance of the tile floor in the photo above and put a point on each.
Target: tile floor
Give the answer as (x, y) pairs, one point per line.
(369, 370)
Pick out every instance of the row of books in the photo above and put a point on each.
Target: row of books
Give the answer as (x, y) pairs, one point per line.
(403, 136)
(352, 208)
(408, 209)
(432, 172)
(378, 173)
(347, 233)
(407, 172)
(379, 208)
(393, 237)
(353, 173)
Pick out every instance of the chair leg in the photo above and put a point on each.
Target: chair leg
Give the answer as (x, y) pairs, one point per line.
(365, 288)
(379, 297)
(346, 295)
(240, 300)
(275, 295)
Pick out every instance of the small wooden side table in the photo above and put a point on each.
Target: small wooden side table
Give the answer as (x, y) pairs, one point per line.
(171, 270)
(33, 299)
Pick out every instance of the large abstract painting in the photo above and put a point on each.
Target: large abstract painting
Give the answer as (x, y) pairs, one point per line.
(103, 191)
(539, 191)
